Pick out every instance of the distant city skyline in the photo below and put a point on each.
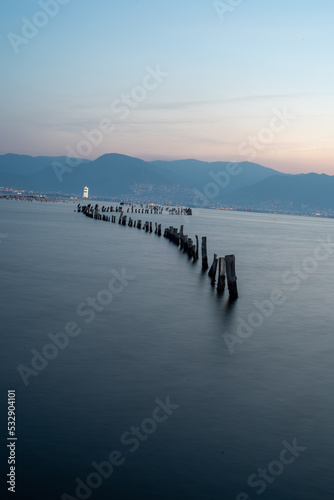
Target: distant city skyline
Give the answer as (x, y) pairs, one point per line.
(210, 80)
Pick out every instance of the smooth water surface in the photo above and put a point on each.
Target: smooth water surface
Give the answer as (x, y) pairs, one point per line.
(165, 333)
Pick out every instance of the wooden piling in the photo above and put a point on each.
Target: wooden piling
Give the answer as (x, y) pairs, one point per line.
(213, 269)
(193, 253)
(185, 242)
(189, 247)
(231, 276)
(204, 254)
(176, 236)
(221, 275)
(181, 237)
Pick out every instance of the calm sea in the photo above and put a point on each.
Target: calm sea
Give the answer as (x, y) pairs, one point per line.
(238, 395)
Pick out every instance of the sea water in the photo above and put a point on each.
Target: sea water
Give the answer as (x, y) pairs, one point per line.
(241, 381)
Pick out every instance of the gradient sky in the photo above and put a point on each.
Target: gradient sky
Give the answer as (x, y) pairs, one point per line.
(227, 76)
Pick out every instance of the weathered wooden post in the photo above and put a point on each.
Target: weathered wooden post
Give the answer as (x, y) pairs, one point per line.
(196, 251)
(204, 254)
(185, 243)
(159, 229)
(193, 253)
(221, 275)
(231, 277)
(156, 228)
(189, 247)
(181, 237)
(139, 224)
(176, 237)
(151, 227)
(213, 269)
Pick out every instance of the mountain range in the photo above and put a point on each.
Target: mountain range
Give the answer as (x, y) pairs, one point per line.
(188, 182)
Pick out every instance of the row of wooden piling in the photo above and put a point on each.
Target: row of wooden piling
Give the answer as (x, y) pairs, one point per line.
(154, 210)
(224, 265)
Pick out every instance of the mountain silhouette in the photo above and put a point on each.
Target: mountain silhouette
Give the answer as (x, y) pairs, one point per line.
(243, 184)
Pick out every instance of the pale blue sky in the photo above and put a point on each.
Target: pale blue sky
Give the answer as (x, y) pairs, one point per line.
(226, 77)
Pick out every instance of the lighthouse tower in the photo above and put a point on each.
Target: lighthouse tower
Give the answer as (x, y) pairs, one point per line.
(85, 192)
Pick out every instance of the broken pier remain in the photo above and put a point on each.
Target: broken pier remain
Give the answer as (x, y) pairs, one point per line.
(225, 265)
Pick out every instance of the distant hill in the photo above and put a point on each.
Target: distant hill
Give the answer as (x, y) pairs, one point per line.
(196, 174)
(179, 181)
(115, 175)
(298, 191)
(26, 165)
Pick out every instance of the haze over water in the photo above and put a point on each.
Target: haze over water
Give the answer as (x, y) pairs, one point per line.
(163, 335)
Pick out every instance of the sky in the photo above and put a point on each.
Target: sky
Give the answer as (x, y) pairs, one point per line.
(230, 80)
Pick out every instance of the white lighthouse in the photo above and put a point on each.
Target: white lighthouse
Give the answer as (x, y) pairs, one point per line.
(85, 192)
